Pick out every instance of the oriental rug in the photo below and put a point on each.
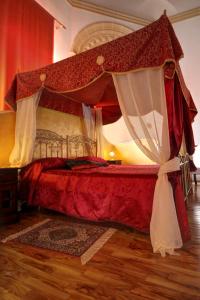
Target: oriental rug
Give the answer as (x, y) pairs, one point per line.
(73, 238)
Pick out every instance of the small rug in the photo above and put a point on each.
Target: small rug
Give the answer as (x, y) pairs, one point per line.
(73, 238)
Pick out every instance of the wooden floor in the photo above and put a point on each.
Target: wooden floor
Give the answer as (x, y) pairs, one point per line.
(124, 269)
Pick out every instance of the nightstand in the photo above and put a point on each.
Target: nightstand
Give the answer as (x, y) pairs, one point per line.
(8, 195)
(115, 162)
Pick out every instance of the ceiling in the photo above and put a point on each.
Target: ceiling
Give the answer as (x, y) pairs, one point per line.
(141, 11)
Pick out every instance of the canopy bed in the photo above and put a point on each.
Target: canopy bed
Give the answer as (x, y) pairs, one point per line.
(138, 76)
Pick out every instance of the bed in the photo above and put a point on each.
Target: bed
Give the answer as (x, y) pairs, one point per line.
(139, 77)
(88, 187)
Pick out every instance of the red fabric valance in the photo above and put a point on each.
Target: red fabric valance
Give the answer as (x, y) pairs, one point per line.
(81, 79)
(150, 46)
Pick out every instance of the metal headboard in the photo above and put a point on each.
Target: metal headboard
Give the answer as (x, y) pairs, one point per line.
(51, 144)
(185, 175)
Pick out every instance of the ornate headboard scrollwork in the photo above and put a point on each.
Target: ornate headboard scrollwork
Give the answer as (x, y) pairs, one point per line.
(185, 174)
(51, 144)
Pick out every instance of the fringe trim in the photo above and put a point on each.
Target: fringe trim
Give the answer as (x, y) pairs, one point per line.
(85, 257)
(97, 245)
(15, 235)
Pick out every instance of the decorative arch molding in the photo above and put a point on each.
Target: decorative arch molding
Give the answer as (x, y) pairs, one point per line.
(97, 34)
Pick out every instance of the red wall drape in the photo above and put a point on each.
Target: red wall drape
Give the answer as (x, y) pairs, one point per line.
(26, 40)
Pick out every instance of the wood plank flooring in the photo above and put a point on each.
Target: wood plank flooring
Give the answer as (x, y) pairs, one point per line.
(124, 269)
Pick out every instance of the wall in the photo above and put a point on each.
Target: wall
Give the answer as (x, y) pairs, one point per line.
(74, 20)
(187, 31)
(7, 121)
(78, 23)
(59, 122)
(188, 34)
(60, 10)
(123, 145)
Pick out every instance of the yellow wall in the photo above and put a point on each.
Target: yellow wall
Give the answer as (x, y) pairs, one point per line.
(7, 136)
(129, 153)
(63, 124)
(59, 122)
(107, 148)
(123, 144)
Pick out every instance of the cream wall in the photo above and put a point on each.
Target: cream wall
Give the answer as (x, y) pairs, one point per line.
(187, 31)
(188, 34)
(59, 122)
(125, 148)
(7, 121)
(82, 18)
(60, 10)
(74, 20)
(65, 124)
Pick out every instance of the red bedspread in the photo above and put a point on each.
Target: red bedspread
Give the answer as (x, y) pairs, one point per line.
(122, 194)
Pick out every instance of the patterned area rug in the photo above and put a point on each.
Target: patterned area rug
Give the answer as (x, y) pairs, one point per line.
(73, 238)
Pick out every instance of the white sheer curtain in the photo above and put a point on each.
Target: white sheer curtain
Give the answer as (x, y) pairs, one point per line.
(25, 130)
(93, 126)
(99, 131)
(142, 101)
(89, 121)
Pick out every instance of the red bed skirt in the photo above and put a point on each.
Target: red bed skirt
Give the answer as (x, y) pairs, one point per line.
(122, 194)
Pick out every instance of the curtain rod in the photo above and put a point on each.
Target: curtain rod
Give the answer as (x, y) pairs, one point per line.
(61, 24)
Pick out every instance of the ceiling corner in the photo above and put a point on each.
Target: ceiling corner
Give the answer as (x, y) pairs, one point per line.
(82, 4)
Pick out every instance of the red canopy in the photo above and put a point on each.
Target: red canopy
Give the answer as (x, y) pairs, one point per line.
(87, 78)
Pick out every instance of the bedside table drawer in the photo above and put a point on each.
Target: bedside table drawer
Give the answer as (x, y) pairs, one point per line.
(8, 195)
(114, 162)
(8, 175)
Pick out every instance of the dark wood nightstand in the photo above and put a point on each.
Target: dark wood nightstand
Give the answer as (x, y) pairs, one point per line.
(115, 162)
(8, 195)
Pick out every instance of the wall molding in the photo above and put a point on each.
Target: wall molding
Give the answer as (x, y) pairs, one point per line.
(185, 15)
(129, 18)
(97, 34)
(108, 12)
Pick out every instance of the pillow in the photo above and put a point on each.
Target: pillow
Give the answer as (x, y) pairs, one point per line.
(71, 163)
(47, 163)
(53, 163)
(93, 159)
(86, 160)
(84, 166)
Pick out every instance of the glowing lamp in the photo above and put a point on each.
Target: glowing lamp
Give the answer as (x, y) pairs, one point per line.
(112, 154)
